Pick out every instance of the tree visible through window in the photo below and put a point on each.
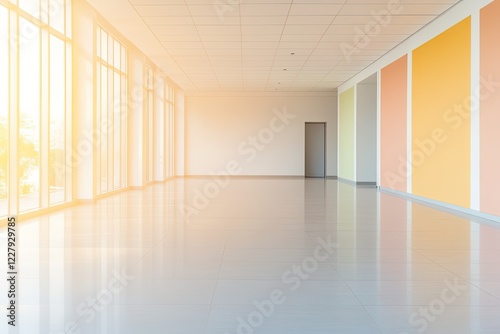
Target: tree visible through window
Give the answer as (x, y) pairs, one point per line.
(35, 92)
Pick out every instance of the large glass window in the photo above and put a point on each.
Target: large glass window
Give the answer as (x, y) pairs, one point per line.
(31, 7)
(29, 118)
(149, 130)
(57, 176)
(170, 131)
(112, 112)
(36, 149)
(159, 129)
(35, 95)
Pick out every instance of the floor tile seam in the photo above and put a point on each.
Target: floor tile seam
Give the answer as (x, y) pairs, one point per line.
(364, 308)
(469, 281)
(215, 289)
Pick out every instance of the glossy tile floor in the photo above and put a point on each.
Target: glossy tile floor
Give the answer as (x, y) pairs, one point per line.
(270, 256)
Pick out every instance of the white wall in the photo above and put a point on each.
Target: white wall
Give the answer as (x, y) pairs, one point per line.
(366, 133)
(263, 133)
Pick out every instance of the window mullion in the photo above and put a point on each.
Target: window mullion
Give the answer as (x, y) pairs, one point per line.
(13, 114)
(68, 122)
(44, 118)
(109, 124)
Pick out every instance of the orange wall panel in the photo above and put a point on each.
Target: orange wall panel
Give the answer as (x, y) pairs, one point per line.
(490, 109)
(441, 116)
(393, 125)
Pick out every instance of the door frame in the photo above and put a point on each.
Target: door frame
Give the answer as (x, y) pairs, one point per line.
(324, 150)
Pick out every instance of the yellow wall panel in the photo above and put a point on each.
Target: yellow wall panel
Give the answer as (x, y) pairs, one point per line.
(440, 116)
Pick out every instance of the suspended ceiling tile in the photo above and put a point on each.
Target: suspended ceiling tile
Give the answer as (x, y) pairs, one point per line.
(178, 38)
(183, 45)
(176, 30)
(315, 9)
(222, 45)
(352, 19)
(264, 9)
(297, 52)
(402, 29)
(301, 38)
(263, 20)
(269, 52)
(298, 45)
(186, 52)
(422, 9)
(168, 20)
(364, 9)
(261, 38)
(211, 10)
(220, 38)
(305, 29)
(220, 51)
(412, 19)
(310, 19)
(260, 45)
(215, 20)
(218, 30)
(262, 30)
(224, 57)
(165, 10)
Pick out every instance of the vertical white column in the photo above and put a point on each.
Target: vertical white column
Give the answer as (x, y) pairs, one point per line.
(379, 84)
(338, 133)
(68, 138)
(159, 129)
(44, 118)
(137, 137)
(409, 109)
(355, 130)
(81, 159)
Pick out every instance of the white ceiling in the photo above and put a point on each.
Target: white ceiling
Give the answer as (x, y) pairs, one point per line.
(273, 45)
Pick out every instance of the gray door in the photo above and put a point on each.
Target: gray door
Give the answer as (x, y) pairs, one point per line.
(315, 149)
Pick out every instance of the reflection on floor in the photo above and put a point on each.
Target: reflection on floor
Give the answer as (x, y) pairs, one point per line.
(250, 255)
